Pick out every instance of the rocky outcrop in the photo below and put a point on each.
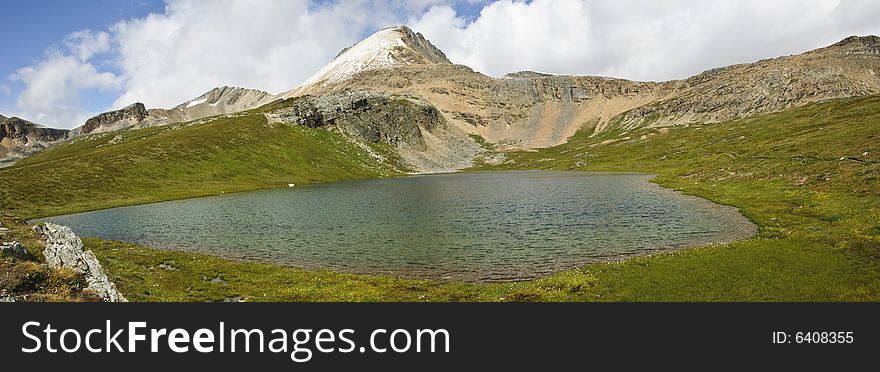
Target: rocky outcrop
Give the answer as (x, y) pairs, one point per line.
(65, 249)
(16, 251)
(124, 118)
(533, 110)
(218, 101)
(20, 138)
(858, 45)
(371, 117)
(411, 126)
(521, 110)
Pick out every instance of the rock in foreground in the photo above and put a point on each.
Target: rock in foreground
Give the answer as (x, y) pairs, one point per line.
(65, 249)
(16, 251)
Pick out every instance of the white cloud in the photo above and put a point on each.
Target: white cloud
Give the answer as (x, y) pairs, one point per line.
(5, 89)
(273, 45)
(85, 44)
(640, 39)
(52, 88)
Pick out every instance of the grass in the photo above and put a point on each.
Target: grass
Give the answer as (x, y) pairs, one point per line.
(807, 177)
(33, 280)
(223, 155)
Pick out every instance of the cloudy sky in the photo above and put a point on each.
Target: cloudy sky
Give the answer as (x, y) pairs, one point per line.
(63, 61)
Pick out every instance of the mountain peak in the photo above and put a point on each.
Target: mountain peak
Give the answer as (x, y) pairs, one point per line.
(388, 47)
(856, 45)
(870, 40)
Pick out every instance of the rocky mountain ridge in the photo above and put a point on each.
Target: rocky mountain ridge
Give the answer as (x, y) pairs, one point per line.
(20, 138)
(217, 101)
(124, 118)
(533, 110)
(526, 110)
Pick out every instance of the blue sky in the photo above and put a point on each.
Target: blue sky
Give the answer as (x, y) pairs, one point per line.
(41, 25)
(64, 61)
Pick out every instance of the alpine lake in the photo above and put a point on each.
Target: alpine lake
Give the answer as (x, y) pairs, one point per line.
(469, 226)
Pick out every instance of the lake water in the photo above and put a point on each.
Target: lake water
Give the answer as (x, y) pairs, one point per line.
(486, 226)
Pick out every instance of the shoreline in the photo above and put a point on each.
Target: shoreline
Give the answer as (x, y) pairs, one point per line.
(742, 229)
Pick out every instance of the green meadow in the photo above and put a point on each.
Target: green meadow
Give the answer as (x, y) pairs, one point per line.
(808, 177)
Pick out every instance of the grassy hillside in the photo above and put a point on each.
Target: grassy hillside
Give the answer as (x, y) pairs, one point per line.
(222, 155)
(807, 177)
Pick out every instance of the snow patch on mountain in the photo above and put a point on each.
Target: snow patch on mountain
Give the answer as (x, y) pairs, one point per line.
(197, 102)
(386, 48)
(373, 52)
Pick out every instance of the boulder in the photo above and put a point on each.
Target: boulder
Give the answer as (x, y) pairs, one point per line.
(65, 249)
(16, 251)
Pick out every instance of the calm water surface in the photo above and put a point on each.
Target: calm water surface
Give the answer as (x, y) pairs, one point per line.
(487, 226)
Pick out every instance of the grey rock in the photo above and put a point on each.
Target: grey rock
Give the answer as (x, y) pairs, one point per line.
(123, 118)
(419, 132)
(371, 117)
(7, 299)
(16, 251)
(21, 138)
(65, 249)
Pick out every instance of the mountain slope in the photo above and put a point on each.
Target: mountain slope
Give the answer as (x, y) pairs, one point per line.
(20, 138)
(388, 47)
(533, 110)
(217, 101)
(219, 155)
(808, 176)
(846, 69)
(529, 110)
(415, 129)
(128, 117)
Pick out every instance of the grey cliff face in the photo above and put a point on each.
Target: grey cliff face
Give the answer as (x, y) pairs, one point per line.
(416, 129)
(20, 138)
(28, 132)
(114, 120)
(859, 45)
(422, 51)
(65, 249)
(371, 117)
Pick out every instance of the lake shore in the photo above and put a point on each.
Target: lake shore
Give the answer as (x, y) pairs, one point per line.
(473, 227)
(817, 215)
